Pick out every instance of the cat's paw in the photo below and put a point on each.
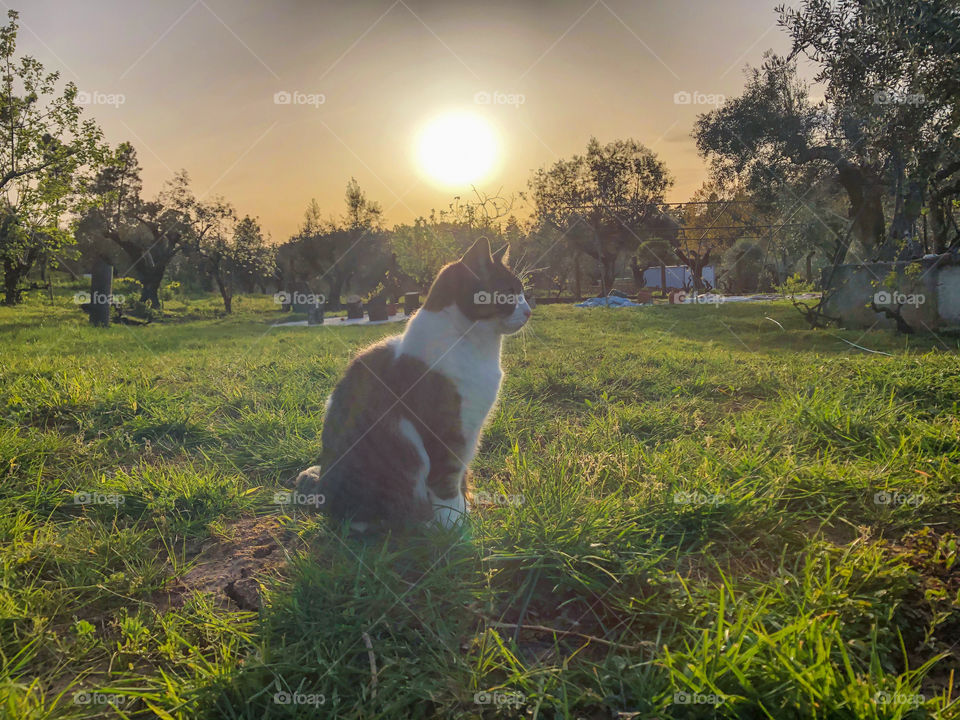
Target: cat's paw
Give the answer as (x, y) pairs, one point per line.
(308, 481)
(451, 513)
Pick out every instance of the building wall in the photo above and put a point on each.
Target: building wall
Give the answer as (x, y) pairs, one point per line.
(678, 276)
(928, 300)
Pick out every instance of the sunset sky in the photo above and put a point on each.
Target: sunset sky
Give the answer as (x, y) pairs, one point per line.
(192, 84)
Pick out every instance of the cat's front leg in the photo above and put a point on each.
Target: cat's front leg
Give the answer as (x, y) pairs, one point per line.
(447, 484)
(450, 512)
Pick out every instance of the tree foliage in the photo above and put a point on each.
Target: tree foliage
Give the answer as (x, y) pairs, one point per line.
(46, 150)
(601, 199)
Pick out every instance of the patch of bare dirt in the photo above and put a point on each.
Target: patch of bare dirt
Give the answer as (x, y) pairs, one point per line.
(231, 568)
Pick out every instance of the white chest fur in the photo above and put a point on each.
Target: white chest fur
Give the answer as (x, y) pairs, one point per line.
(466, 352)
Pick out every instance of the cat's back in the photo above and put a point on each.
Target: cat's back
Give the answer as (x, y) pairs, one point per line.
(361, 396)
(366, 463)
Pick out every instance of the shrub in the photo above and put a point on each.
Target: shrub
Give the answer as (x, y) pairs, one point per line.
(794, 285)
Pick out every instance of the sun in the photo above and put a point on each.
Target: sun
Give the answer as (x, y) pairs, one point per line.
(457, 148)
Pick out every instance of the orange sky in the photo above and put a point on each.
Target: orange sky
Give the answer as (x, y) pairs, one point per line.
(198, 80)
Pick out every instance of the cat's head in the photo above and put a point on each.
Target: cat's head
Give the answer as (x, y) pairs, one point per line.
(482, 287)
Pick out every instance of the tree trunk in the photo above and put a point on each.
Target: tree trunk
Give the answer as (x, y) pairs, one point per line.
(865, 192)
(637, 274)
(46, 278)
(225, 293)
(151, 278)
(938, 224)
(609, 273)
(576, 276)
(15, 270)
(101, 292)
(151, 294)
(336, 290)
(11, 282)
(695, 264)
(150, 266)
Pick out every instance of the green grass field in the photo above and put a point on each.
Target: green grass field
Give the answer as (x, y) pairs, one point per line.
(684, 512)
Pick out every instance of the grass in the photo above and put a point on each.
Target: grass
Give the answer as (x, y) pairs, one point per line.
(690, 512)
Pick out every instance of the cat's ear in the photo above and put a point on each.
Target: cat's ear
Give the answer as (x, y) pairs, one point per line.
(478, 256)
(502, 255)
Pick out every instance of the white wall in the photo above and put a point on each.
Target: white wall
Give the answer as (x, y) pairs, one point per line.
(678, 276)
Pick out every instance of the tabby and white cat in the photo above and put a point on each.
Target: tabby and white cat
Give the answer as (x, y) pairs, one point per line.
(404, 422)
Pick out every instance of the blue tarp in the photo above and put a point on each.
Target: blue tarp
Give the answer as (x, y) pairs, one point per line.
(611, 301)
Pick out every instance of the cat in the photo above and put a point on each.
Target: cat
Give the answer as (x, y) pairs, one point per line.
(404, 422)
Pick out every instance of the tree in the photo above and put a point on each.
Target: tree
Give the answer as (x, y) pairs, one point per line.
(144, 236)
(45, 149)
(888, 124)
(764, 136)
(362, 213)
(233, 252)
(421, 250)
(716, 217)
(337, 250)
(890, 70)
(431, 242)
(601, 199)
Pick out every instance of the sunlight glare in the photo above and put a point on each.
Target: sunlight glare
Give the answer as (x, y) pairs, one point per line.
(457, 148)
